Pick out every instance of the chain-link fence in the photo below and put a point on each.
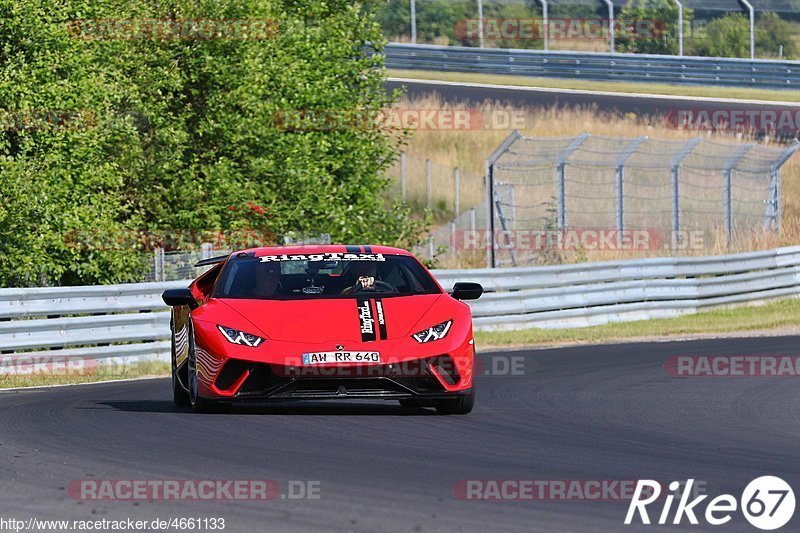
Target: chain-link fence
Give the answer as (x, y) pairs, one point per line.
(178, 265)
(594, 192)
(425, 184)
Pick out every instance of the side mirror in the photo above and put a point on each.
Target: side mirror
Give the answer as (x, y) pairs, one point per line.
(467, 291)
(176, 297)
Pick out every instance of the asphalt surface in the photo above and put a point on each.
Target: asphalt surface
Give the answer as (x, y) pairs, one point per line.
(578, 413)
(612, 103)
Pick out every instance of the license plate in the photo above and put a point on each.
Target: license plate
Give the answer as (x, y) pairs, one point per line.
(325, 358)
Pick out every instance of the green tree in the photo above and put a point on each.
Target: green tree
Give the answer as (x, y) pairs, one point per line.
(186, 139)
(651, 26)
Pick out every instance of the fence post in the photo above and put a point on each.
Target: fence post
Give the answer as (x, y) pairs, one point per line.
(489, 177)
(428, 182)
(623, 157)
(676, 188)
(206, 250)
(775, 193)
(480, 23)
(487, 183)
(727, 207)
(403, 175)
(727, 190)
(453, 238)
(561, 200)
(457, 187)
(561, 164)
(413, 22)
(158, 264)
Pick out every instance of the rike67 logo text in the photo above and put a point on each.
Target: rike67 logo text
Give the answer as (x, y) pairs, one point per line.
(767, 503)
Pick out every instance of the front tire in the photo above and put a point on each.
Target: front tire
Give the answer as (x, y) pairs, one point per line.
(457, 406)
(179, 395)
(197, 403)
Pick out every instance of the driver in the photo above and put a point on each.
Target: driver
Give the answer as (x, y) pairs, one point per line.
(363, 272)
(267, 277)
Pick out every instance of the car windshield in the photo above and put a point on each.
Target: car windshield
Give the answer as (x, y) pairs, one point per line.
(325, 275)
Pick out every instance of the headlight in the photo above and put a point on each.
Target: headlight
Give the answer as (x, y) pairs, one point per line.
(439, 331)
(240, 337)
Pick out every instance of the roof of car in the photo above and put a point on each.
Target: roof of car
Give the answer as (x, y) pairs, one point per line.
(325, 248)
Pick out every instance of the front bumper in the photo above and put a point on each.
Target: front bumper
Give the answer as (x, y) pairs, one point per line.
(428, 378)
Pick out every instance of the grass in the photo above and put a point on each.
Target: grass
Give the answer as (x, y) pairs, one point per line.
(739, 93)
(779, 314)
(100, 373)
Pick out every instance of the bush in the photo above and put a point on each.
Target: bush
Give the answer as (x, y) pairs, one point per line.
(772, 33)
(727, 36)
(659, 33)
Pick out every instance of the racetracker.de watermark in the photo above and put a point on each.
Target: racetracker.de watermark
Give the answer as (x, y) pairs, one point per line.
(566, 29)
(170, 239)
(193, 489)
(399, 119)
(732, 366)
(572, 239)
(551, 489)
(786, 121)
(172, 29)
(46, 119)
(51, 365)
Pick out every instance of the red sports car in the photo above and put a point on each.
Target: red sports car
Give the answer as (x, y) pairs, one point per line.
(322, 322)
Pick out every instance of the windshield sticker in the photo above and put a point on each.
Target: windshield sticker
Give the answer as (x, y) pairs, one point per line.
(330, 256)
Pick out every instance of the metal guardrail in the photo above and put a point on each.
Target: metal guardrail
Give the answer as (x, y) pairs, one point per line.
(130, 321)
(596, 66)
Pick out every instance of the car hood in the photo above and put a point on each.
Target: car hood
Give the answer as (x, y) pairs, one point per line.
(321, 320)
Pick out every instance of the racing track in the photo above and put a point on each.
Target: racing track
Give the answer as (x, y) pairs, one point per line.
(607, 412)
(643, 105)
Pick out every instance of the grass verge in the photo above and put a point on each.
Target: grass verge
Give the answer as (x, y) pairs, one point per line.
(779, 314)
(738, 93)
(99, 373)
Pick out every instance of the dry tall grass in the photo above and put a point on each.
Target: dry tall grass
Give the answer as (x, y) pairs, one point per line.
(468, 149)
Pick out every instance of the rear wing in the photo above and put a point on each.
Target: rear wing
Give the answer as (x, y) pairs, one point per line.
(211, 261)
